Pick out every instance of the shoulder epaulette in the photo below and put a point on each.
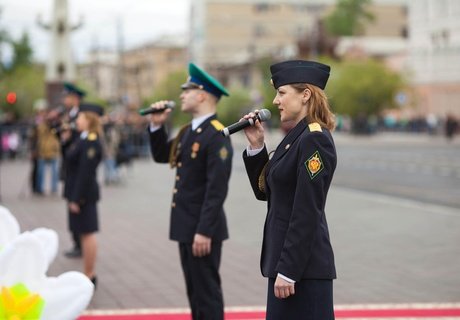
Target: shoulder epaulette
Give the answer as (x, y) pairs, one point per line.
(216, 124)
(314, 126)
(92, 136)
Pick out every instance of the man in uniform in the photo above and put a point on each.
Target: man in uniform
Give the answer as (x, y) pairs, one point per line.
(203, 159)
(68, 134)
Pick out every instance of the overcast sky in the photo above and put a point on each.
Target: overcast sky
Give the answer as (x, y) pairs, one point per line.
(142, 21)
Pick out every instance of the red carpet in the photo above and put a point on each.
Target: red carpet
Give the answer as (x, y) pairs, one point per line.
(348, 313)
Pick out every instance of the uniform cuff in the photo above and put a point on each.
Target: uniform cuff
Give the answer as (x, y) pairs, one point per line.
(252, 152)
(153, 128)
(285, 278)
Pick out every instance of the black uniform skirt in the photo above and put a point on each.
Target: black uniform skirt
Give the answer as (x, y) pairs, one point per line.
(86, 221)
(312, 301)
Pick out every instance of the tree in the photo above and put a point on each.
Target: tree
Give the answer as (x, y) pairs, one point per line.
(169, 89)
(22, 52)
(267, 90)
(231, 109)
(4, 37)
(349, 17)
(21, 77)
(363, 88)
(27, 82)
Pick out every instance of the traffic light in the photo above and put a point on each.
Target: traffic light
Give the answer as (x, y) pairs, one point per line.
(11, 97)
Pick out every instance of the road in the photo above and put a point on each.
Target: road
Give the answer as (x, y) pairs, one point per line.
(421, 168)
(391, 245)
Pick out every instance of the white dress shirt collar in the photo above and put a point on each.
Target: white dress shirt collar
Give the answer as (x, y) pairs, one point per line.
(196, 122)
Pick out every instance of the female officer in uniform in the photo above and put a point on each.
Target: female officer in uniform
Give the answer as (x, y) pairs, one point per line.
(297, 256)
(81, 188)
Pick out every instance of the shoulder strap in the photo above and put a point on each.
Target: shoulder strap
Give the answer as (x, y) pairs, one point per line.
(315, 126)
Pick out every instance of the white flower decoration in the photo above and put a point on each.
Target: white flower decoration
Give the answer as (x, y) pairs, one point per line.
(9, 230)
(25, 290)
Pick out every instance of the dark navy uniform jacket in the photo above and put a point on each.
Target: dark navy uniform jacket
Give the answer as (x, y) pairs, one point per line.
(295, 183)
(203, 161)
(82, 159)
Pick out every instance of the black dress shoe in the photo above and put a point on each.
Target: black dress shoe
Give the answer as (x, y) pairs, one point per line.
(73, 253)
(94, 281)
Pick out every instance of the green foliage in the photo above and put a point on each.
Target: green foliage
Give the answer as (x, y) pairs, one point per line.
(22, 52)
(362, 88)
(21, 77)
(231, 109)
(170, 89)
(27, 82)
(267, 90)
(349, 17)
(4, 38)
(91, 95)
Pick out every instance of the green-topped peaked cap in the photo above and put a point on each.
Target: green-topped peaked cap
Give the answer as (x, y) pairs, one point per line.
(199, 79)
(70, 88)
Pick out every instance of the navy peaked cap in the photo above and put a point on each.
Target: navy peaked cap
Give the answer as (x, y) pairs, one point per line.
(91, 107)
(300, 71)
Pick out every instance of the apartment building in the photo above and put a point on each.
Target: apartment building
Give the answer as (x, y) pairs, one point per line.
(101, 73)
(227, 36)
(146, 66)
(233, 31)
(434, 55)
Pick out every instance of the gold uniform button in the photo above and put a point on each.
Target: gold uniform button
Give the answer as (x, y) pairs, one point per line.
(177, 178)
(199, 130)
(173, 205)
(174, 190)
(179, 164)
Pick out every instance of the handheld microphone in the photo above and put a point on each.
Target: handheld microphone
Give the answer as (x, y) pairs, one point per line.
(263, 115)
(168, 105)
(59, 128)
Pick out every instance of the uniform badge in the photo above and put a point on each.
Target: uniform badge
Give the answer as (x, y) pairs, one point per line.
(223, 153)
(195, 148)
(91, 153)
(314, 165)
(92, 136)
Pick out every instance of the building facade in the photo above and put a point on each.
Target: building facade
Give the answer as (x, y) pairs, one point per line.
(434, 55)
(146, 66)
(228, 34)
(101, 73)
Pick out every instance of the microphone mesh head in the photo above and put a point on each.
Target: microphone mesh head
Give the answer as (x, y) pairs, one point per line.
(264, 114)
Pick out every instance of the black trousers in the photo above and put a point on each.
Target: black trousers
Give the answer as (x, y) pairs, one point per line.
(203, 283)
(312, 300)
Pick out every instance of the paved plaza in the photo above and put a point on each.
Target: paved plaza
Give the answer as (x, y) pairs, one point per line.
(388, 249)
